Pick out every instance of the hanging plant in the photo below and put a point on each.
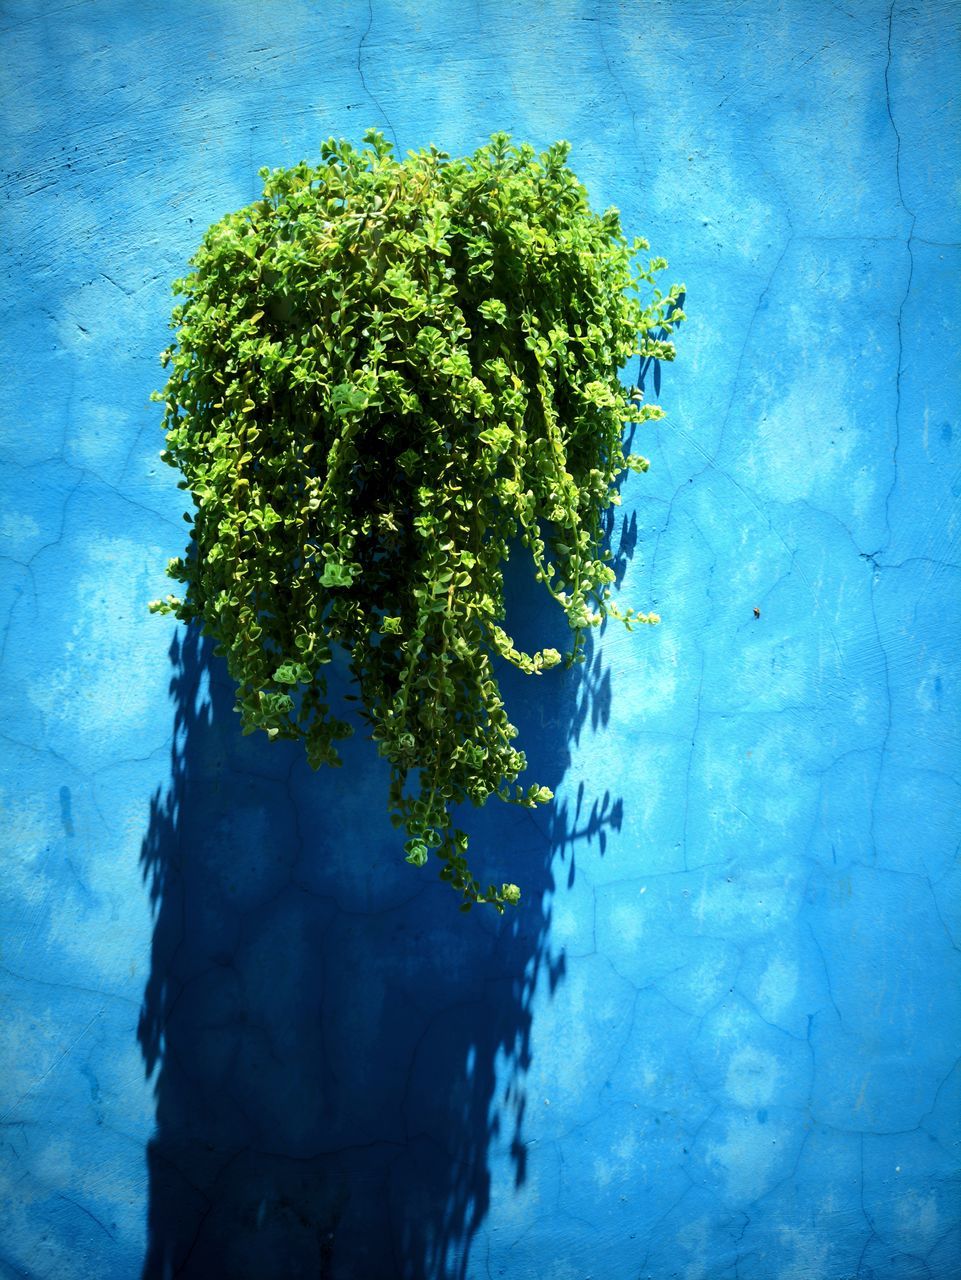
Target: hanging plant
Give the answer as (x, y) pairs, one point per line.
(385, 373)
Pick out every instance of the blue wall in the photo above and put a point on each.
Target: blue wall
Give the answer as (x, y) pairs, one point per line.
(720, 1036)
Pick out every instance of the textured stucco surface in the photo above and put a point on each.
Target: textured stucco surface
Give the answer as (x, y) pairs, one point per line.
(720, 1037)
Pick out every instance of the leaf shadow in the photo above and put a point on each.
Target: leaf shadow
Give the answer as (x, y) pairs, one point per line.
(338, 1055)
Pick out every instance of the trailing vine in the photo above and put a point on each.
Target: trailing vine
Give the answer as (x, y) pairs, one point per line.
(385, 373)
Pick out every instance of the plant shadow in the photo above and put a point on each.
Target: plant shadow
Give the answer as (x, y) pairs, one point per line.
(338, 1054)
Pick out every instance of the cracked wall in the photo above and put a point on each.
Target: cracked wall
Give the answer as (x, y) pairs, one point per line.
(719, 1038)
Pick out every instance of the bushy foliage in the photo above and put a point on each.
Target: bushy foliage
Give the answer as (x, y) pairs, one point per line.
(385, 373)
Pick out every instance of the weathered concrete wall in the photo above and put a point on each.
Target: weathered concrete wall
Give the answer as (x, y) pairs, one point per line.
(719, 1038)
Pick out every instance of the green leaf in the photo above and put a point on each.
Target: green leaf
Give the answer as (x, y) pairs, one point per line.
(416, 853)
(336, 574)
(293, 673)
(494, 310)
(385, 370)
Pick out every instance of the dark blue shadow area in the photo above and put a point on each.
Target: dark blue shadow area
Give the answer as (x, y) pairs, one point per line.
(337, 1050)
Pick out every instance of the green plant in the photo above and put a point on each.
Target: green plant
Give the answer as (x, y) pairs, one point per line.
(384, 373)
